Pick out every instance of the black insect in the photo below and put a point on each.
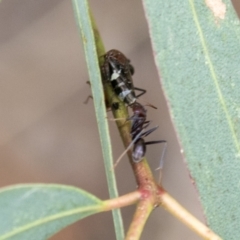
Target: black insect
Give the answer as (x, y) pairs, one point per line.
(138, 133)
(139, 124)
(139, 148)
(118, 71)
(138, 119)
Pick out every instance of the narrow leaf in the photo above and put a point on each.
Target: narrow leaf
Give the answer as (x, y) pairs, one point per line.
(197, 52)
(39, 211)
(90, 37)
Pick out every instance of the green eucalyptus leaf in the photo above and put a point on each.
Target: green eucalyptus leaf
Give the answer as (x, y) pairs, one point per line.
(197, 53)
(39, 211)
(93, 48)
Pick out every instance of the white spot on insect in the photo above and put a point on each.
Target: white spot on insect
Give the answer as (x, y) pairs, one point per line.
(217, 7)
(123, 94)
(121, 84)
(181, 151)
(115, 75)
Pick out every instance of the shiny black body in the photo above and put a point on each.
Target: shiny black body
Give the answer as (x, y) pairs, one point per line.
(139, 124)
(138, 119)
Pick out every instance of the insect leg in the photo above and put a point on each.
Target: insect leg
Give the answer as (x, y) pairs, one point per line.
(162, 156)
(143, 91)
(125, 151)
(86, 101)
(144, 134)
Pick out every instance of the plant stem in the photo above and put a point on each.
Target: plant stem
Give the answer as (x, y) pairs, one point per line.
(143, 210)
(172, 206)
(123, 201)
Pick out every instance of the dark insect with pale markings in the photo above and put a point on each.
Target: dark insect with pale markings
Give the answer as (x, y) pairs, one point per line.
(118, 71)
